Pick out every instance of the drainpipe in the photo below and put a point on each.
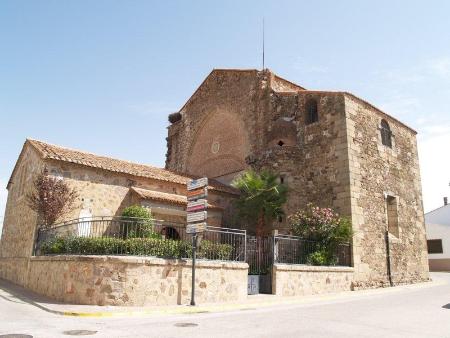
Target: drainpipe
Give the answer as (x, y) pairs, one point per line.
(388, 258)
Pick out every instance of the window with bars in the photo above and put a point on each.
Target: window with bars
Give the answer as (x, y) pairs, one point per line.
(312, 114)
(386, 134)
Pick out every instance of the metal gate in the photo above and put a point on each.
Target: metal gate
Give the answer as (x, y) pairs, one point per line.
(260, 258)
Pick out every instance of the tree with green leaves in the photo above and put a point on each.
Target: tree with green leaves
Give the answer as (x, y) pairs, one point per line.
(261, 200)
(137, 221)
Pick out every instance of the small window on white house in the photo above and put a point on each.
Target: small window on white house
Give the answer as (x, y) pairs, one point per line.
(392, 215)
(435, 246)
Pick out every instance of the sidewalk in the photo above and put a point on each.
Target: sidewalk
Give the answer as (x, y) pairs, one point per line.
(16, 293)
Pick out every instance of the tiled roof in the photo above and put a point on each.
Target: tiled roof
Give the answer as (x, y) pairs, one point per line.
(49, 151)
(166, 197)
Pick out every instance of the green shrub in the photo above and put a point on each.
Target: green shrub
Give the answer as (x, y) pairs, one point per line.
(326, 228)
(134, 246)
(137, 223)
(212, 250)
(321, 257)
(54, 246)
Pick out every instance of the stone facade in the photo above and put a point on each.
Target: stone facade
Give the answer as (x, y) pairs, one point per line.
(101, 192)
(130, 281)
(326, 146)
(377, 171)
(301, 280)
(338, 161)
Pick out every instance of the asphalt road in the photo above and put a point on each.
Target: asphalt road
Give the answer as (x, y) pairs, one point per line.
(414, 312)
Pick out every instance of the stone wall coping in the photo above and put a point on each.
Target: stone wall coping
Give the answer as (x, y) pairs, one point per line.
(312, 268)
(144, 260)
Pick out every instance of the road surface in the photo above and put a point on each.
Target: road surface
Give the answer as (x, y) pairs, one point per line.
(404, 312)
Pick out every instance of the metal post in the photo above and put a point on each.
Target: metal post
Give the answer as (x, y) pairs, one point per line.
(194, 253)
(388, 258)
(274, 248)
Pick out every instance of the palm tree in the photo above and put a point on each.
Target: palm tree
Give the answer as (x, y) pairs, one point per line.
(261, 199)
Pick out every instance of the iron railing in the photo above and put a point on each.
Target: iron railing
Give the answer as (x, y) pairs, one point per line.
(296, 250)
(263, 252)
(136, 236)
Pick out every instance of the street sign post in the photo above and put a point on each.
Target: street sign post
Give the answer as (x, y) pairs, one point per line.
(197, 192)
(195, 228)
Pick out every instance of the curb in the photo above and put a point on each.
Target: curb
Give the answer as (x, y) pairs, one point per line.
(313, 299)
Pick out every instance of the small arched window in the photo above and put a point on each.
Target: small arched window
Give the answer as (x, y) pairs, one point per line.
(171, 233)
(386, 134)
(312, 114)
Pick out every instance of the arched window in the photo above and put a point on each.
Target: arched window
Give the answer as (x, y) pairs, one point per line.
(386, 134)
(170, 233)
(312, 114)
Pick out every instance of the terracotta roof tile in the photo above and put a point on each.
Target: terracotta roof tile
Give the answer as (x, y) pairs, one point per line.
(166, 197)
(50, 151)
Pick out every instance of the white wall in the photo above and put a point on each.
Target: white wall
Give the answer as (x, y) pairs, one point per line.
(439, 216)
(439, 231)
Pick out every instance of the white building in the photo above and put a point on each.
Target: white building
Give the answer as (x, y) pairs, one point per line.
(438, 237)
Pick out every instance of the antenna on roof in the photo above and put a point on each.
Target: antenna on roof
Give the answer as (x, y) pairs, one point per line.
(263, 45)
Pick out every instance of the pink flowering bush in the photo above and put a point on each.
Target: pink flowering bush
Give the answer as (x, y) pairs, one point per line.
(324, 226)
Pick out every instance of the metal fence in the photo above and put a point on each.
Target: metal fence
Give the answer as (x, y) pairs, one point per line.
(135, 236)
(263, 252)
(296, 250)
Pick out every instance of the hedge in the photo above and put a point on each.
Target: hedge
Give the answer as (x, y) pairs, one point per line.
(134, 246)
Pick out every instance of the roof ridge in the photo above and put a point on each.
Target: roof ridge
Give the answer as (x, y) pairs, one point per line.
(65, 154)
(290, 82)
(436, 209)
(97, 155)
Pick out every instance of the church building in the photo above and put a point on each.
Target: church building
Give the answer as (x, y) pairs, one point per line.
(331, 149)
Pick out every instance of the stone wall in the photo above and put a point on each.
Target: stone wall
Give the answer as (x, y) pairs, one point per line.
(315, 166)
(377, 171)
(132, 281)
(216, 132)
(100, 193)
(14, 269)
(20, 221)
(259, 120)
(303, 280)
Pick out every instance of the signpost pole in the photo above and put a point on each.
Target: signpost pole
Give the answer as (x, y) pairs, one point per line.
(194, 254)
(197, 192)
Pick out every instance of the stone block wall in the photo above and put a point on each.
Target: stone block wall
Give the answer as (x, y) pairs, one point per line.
(216, 131)
(19, 223)
(315, 166)
(302, 280)
(131, 281)
(377, 171)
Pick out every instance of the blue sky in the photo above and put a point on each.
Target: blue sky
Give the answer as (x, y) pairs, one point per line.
(103, 75)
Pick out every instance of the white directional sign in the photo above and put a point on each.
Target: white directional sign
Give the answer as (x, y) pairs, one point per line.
(194, 228)
(196, 217)
(198, 183)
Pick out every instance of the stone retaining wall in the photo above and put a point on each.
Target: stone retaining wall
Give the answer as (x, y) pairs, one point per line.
(302, 280)
(14, 269)
(129, 281)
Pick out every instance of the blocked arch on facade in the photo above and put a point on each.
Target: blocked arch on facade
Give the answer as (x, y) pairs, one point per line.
(220, 145)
